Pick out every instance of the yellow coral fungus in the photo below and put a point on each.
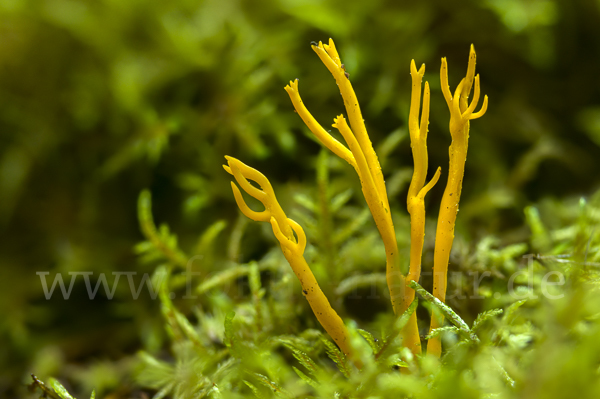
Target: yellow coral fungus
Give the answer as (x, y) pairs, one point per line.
(416, 194)
(359, 153)
(293, 249)
(363, 159)
(460, 115)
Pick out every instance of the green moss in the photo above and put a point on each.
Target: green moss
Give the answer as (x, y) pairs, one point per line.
(101, 100)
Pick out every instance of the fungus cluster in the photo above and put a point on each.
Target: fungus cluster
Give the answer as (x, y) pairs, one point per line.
(359, 153)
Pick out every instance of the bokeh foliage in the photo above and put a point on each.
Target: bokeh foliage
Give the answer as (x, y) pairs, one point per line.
(102, 99)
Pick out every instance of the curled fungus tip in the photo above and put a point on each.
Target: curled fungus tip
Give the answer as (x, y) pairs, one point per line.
(483, 109)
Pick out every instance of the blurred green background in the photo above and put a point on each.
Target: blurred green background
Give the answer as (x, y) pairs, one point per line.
(101, 99)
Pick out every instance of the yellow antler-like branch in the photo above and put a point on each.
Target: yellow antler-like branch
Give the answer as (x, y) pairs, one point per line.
(293, 249)
(460, 115)
(416, 193)
(361, 155)
(325, 138)
(330, 57)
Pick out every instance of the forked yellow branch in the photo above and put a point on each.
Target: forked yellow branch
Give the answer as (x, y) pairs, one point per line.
(325, 138)
(361, 155)
(460, 115)
(292, 247)
(331, 59)
(416, 193)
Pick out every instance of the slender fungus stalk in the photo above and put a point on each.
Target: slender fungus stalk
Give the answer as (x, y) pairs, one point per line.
(293, 249)
(416, 194)
(460, 115)
(363, 159)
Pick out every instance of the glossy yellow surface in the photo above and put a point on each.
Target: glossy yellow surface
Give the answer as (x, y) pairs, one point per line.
(292, 247)
(416, 194)
(461, 112)
(361, 155)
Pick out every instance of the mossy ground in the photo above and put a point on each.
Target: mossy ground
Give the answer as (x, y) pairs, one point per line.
(102, 100)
